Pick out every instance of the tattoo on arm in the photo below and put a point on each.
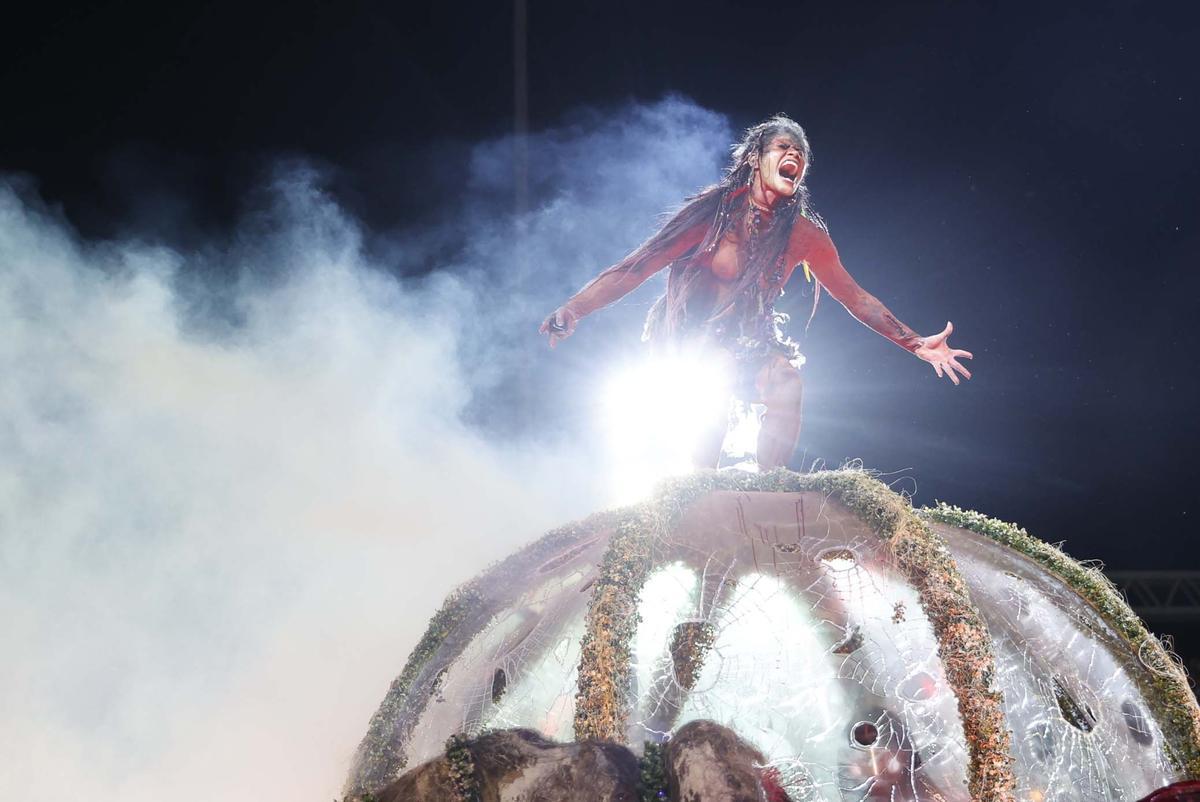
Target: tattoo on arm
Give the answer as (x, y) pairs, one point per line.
(903, 331)
(879, 317)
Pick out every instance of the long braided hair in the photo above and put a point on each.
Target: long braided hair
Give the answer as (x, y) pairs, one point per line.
(721, 206)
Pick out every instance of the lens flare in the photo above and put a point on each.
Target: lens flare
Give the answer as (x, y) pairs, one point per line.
(658, 414)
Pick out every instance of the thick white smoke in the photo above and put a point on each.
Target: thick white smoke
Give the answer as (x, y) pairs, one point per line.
(220, 534)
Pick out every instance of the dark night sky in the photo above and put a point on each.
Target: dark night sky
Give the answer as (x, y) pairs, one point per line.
(1029, 171)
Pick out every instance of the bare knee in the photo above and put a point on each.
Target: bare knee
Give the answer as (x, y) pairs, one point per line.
(784, 387)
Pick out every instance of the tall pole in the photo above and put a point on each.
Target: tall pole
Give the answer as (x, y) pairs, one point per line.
(526, 403)
(521, 111)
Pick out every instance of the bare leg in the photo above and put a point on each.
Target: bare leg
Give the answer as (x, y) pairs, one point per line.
(781, 388)
(708, 445)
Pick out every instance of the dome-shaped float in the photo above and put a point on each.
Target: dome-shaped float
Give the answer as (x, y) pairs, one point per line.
(852, 647)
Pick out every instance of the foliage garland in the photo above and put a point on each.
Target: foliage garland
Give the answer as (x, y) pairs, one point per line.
(652, 773)
(460, 764)
(1165, 683)
(963, 641)
(690, 645)
(612, 619)
(377, 756)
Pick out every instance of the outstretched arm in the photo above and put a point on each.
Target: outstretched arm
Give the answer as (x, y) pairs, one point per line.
(812, 245)
(616, 282)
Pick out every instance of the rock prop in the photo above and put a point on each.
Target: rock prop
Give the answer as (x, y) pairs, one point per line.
(706, 761)
(855, 648)
(702, 761)
(521, 764)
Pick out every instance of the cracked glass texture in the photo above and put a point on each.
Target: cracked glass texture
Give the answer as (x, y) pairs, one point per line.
(783, 617)
(1081, 728)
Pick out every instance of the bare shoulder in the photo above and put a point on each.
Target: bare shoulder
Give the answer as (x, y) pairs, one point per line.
(682, 241)
(808, 240)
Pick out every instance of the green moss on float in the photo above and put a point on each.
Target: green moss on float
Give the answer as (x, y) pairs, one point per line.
(1164, 684)
(604, 664)
(652, 773)
(690, 644)
(377, 757)
(460, 764)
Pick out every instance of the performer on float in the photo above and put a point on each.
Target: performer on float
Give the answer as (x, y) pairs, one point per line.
(730, 250)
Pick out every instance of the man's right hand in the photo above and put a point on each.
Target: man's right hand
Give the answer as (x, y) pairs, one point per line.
(561, 324)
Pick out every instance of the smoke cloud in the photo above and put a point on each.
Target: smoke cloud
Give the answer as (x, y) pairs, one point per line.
(236, 479)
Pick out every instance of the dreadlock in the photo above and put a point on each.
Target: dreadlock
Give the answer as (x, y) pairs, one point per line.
(719, 206)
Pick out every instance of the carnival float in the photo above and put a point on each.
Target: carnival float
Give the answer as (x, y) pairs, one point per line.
(784, 636)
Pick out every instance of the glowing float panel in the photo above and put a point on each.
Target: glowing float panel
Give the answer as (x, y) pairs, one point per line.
(815, 642)
(520, 671)
(1082, 729)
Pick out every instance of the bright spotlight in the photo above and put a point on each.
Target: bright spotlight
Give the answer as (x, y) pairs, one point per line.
(658, 414)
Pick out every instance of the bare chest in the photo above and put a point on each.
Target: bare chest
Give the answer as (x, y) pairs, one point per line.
(726, 261)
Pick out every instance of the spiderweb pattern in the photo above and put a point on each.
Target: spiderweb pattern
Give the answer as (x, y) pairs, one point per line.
(521, 671)
(1082, 728)
(822, 657)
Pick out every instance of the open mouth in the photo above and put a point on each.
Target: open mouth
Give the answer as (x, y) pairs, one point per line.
(789, 169)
